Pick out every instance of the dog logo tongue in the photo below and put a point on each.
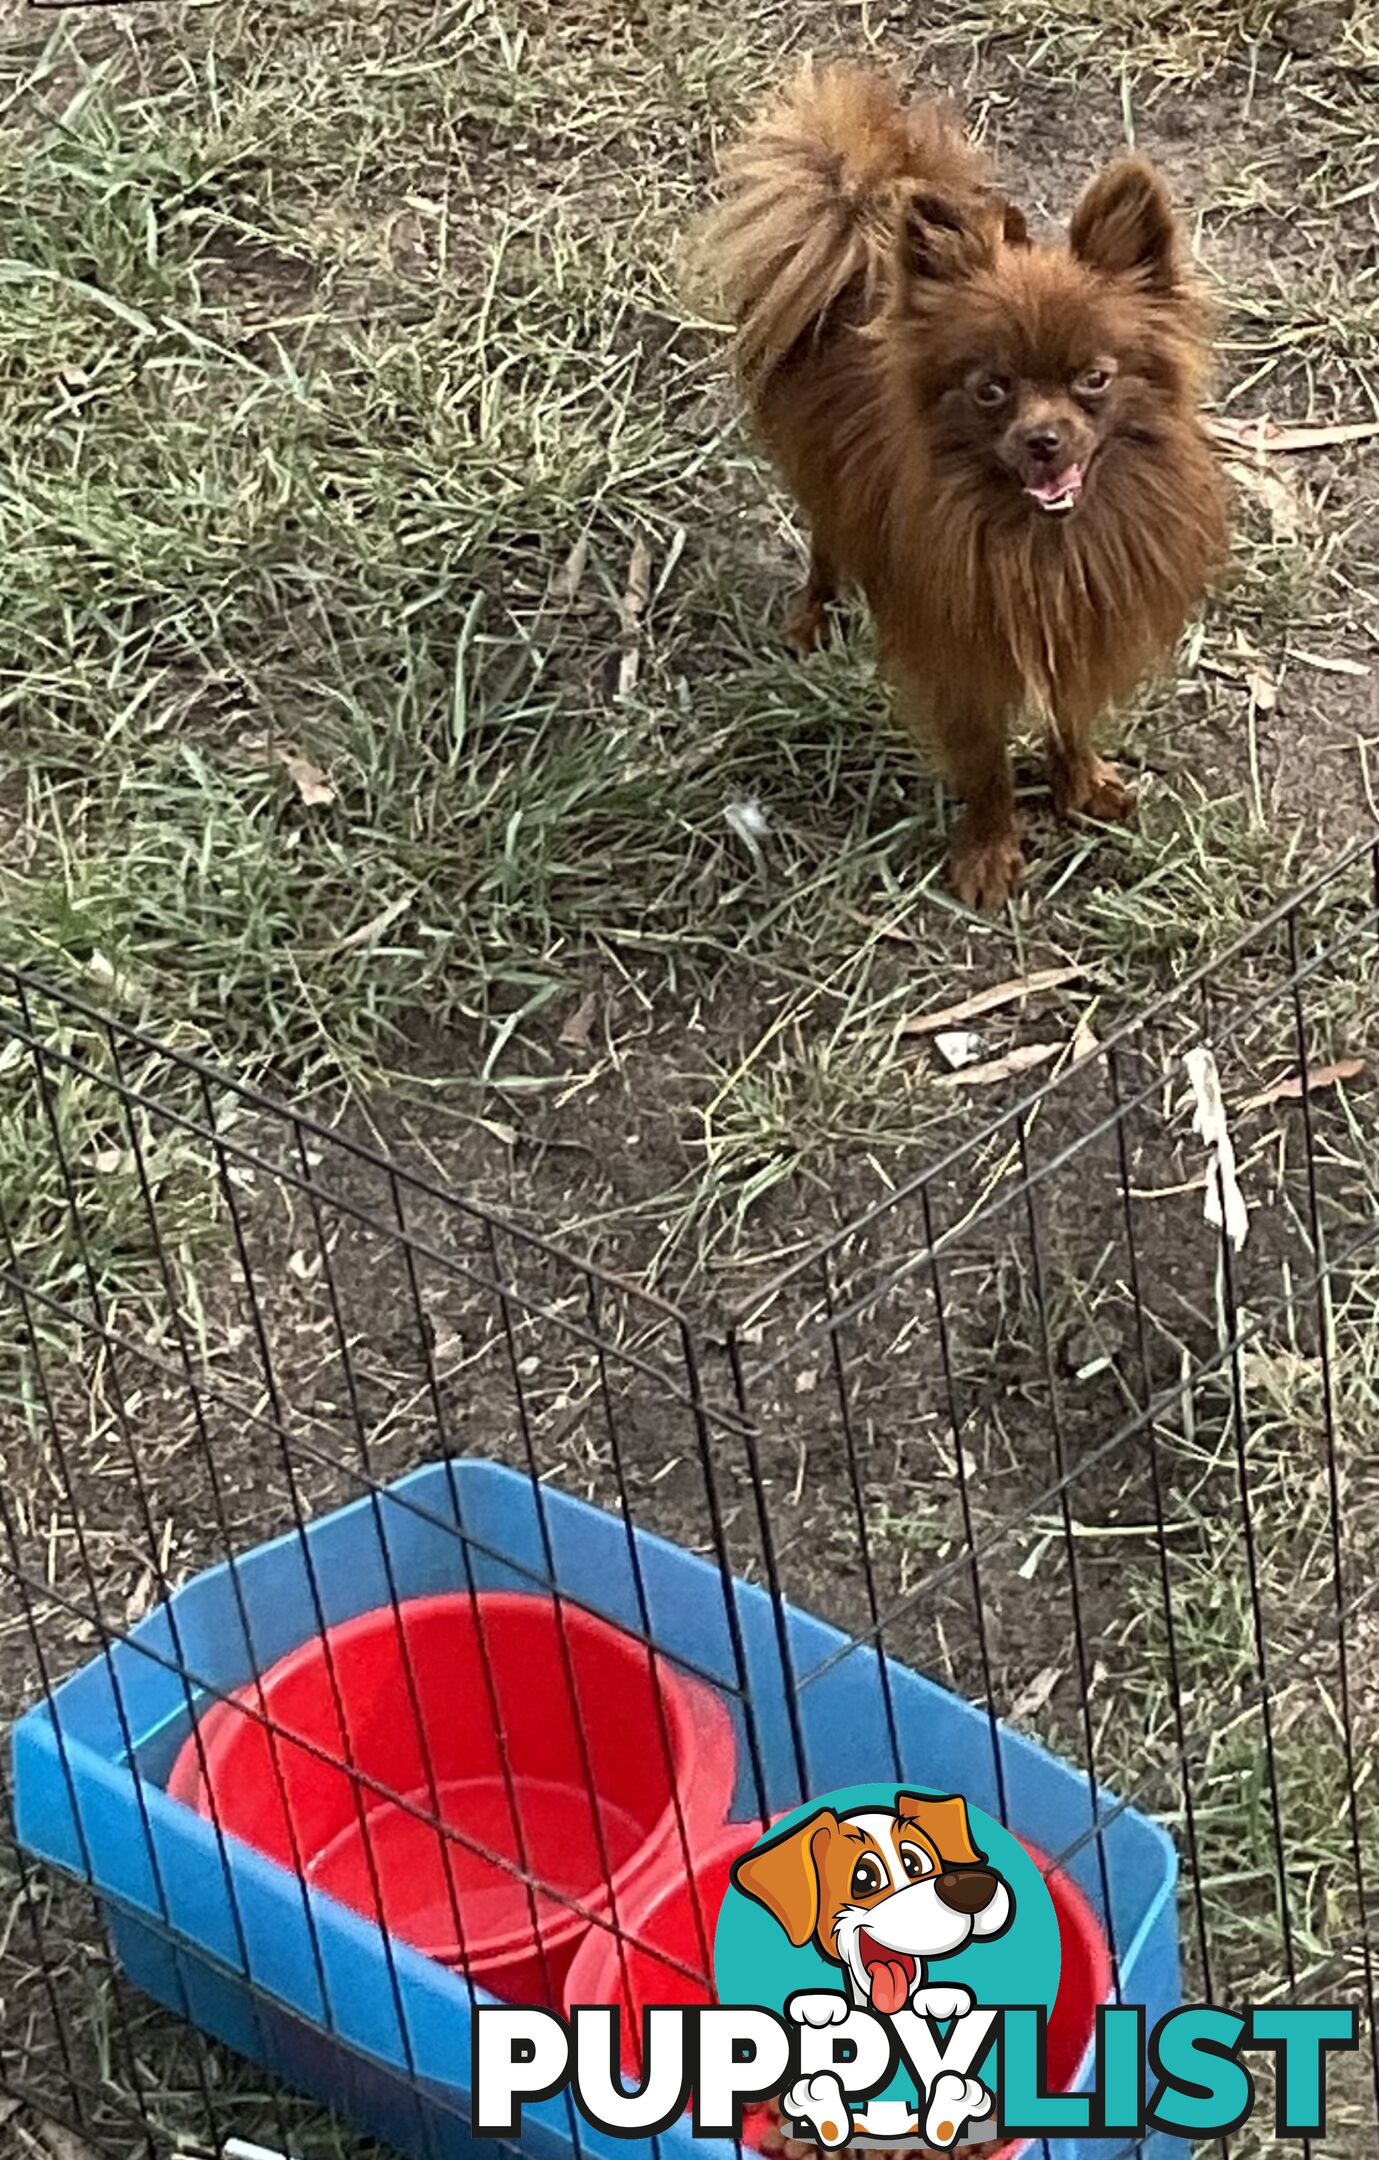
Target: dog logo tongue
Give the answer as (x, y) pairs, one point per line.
(889, 1986)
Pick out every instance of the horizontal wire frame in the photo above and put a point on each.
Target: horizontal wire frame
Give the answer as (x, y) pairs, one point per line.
(1032, 1428)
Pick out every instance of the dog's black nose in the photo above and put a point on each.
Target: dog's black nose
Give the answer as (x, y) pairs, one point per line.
(968, 1890)
(1044, 443)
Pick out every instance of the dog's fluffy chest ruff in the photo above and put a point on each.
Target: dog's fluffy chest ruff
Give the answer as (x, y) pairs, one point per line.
(1058, 615)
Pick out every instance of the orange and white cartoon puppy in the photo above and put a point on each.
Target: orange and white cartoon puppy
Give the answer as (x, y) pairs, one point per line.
(882, 1893)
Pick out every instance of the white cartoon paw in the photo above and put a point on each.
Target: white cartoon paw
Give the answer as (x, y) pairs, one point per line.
(818, 2010)
(941, 2002)
(820, 2103)
(954, 2102)
(889, 2120)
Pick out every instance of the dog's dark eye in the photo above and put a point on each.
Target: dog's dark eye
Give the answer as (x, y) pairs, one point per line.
(991, 391)
(914, 1863)
(866, 1877)
(1092, 381)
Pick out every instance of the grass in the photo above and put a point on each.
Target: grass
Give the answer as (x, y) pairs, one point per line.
(350, 377)
(391, 601)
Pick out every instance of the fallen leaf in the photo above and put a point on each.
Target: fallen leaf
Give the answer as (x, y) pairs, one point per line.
(1031, 1700)
(140, 1598)
(447, 1352)
(1318, 1076)
(116, 982)
(1022, 1059)
(374, 927)
(878, 928)
(1329, 663)
(579, 1026)
(958, 1047)
(631, 608)
(984, 1001)
(748, 820)
(570, 576)
(1282, 503)
(1224, 1205)
(1090, 1349)
(1085, 1042)
(1263, 690)
(310, 782)
(1029, 1566)
(1266, 435)
(407, 244)
(62, 2143)
(500, 1131)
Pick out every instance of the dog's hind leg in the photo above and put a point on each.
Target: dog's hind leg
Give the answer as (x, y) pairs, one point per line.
(808, 628)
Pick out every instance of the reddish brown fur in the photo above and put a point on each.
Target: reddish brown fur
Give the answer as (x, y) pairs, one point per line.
(906, 353)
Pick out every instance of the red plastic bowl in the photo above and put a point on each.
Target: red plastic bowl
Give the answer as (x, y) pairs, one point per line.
(671, 1930)
(516, 1786)
(667, 1923)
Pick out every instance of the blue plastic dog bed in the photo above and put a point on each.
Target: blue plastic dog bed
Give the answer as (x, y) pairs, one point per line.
(340, 2010)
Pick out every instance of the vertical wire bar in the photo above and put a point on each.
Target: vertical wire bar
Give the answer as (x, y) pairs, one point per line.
(48, 1688)
(1084, 1677)
(593, 1306)
(728, 1585)
(1239, 1419)
(727, 1580)
(784, 1647)
(1333, 1483)
(207, 1450)
(490, 1678)
(840, 1381)
(74, 1214)
(1161, 1527)
(557, 1599)
(446, 1844)
(1175, 1682)
(25, 1870)
(965, 1508)
(314, 1591)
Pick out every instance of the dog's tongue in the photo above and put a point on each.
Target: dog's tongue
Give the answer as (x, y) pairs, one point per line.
(1068, 482)
(889, 1987)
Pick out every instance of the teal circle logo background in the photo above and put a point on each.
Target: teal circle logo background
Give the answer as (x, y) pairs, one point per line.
(755, 1962)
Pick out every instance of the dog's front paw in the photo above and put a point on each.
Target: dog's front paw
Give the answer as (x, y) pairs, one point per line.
(941, 2002)
(819, 2104)
(985, 866)
(954, 2102)
(818, 2010)
(1090, 787)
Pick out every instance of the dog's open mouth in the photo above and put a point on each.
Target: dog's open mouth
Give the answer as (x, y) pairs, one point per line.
(890, 1974)
(1061, 493)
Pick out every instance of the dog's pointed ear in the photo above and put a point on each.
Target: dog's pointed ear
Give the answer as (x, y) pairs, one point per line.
(1124, 225)
(942, 241)
(784, 1875)
(944, 1822)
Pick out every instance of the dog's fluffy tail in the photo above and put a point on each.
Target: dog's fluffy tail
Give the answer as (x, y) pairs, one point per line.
(810, 204)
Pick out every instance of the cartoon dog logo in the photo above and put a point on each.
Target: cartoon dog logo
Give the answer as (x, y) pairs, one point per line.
(882, 1893)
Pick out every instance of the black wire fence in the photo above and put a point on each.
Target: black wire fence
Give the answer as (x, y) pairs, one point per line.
(1040, 1428)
